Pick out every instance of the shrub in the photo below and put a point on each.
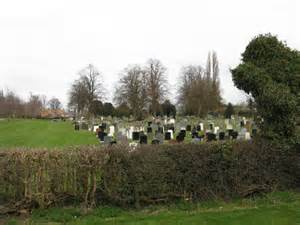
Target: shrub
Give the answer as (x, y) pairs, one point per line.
(148, 175)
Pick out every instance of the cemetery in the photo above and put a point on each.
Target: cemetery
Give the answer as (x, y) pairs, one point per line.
(164, 130)
(144, 157)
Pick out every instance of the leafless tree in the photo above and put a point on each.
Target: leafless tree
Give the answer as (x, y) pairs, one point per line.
(132, 90)
(54, 103)
(199, 90)
(87, 89)
(34, 106)
(156, 84)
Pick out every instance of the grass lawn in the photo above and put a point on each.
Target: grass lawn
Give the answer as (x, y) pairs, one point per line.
(281, 208)
(42, 133)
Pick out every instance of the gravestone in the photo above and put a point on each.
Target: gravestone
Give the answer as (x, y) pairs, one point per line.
(135, 136)
(143, 139)
(167, 136)
(76, 127)
(104, 125)
(149, 129)
(149, 123)
(188, 128)
(111, 130)
(107, 139)
(183, 132)
(211, 136)
(242, 124)
(234, 134)
(230, 131)
(172, 133)
(101, 135)
(254, 131)
(198, 128)
(211, 126)
(160, 130)
(180, 137)
(195, 134)
(222, 136)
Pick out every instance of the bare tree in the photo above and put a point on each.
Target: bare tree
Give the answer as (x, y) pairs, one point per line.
(199, 90)
(33, 106)
(90, 77)
(86, 90)
(132, 90)
(156, 84)
(77, 97)
(54, 103)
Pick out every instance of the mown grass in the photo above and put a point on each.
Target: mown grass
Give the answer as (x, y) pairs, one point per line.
(281, 208)
(42, 133)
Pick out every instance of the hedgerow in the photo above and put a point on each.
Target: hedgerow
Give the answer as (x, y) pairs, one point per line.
(150, 174)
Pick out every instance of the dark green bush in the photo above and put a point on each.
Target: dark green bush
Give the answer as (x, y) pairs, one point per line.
(148, 175)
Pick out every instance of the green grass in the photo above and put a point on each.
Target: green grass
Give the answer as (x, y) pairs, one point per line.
(42, 133)
(281, 208)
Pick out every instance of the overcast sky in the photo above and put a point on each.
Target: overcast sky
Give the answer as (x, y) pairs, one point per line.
(43, 44)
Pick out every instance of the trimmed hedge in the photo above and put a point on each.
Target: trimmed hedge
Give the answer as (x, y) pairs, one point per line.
(91, 175)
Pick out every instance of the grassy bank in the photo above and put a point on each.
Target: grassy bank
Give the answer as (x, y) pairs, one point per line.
(281, 208)
(42, 133)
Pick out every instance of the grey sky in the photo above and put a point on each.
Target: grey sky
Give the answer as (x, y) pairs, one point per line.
(43, 44)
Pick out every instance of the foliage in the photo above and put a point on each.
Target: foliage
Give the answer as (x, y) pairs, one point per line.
(148, 175)
(270, 73)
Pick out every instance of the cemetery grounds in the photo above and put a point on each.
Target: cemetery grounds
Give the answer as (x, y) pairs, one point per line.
(275, 208)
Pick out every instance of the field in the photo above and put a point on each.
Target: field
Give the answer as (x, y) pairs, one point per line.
(281, 208)
(42, 133)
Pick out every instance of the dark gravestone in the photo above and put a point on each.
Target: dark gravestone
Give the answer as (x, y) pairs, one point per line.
(188, 128)
(195, 134)
(254, 132)
(155, 142)
(160, 130)
(149, 129)
(149, 124)
(242, 124)
(135, 136)
(211, 136)
(104, 125)
(101, 135)
(198, 128)
(101, 128)
(183, 133)
(234, 135)
(221, 135)
(211, 127)
(143, 139)
(180, 137)
(230, 131)
(76, 126)
(168, 136)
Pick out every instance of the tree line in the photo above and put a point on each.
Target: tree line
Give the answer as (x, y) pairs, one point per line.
(143, 90)
(11, 105)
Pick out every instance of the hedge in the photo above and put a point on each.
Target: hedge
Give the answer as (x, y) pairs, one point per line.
(150, 174)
